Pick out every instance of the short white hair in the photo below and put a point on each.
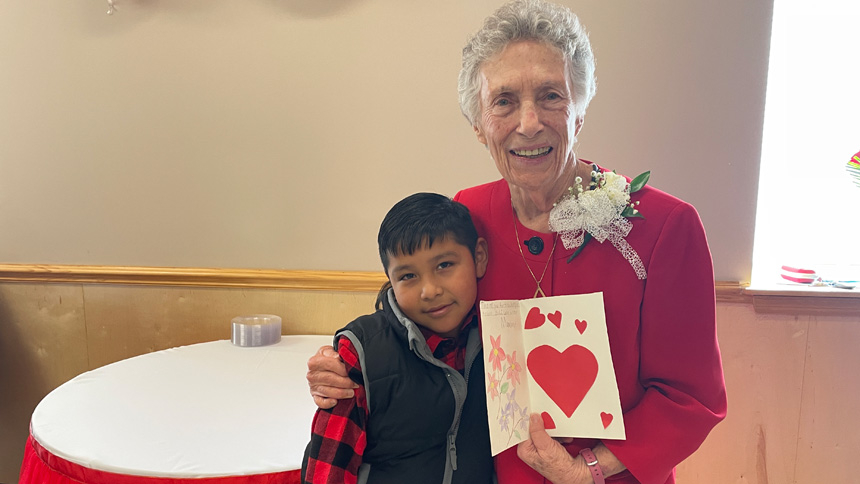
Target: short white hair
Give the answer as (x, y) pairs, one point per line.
(528, 20)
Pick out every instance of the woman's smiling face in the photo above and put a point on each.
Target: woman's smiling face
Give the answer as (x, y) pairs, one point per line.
(528, 118)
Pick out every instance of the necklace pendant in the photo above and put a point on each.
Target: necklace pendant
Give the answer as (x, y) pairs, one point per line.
(539, 291)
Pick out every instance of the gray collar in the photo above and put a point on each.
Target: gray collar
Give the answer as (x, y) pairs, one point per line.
(417, 343)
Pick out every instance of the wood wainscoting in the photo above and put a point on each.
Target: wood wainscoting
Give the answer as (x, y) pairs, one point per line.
(790, 374)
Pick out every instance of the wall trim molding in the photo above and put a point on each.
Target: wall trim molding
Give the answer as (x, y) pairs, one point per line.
(731, 291)
(359, 281)
(220, 277)
(193, 276)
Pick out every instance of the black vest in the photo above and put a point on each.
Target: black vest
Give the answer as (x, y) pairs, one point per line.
(414, 433)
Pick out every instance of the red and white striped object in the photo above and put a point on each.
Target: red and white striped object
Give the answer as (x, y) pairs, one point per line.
(802, 276)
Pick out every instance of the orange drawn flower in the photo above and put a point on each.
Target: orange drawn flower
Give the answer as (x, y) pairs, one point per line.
(514, 369)
(492, 386)
(497, 354)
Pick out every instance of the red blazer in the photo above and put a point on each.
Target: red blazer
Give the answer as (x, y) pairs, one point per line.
(662, 330)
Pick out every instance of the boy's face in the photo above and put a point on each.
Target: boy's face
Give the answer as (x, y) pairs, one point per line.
(436, 287)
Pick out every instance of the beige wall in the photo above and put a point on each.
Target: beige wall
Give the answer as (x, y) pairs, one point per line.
(275, 134)
(268, 133)
(791, 378)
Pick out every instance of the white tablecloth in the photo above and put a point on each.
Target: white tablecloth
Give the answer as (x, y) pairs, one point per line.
(205, 410)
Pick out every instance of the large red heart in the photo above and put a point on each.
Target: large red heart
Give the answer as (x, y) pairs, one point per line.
(566, 377)
(534, 319)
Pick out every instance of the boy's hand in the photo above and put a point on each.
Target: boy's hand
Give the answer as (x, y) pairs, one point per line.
(328, 379)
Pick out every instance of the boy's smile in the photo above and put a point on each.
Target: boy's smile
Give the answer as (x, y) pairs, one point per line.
(436, 286)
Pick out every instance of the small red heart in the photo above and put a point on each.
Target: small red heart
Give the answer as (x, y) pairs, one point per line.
(607, 419)
(581, 324)
(555, 318)
(534, 319)
(548, 422)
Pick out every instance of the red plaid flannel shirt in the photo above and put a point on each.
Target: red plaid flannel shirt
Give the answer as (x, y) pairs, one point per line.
(338, 436)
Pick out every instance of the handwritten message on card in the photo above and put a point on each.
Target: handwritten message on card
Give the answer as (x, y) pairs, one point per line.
(549, 356)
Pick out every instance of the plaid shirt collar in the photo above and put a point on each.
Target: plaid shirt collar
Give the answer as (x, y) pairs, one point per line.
(441, 346)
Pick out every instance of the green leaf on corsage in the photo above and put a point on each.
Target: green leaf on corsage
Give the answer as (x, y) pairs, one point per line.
(630, 212)
(637, 183)
(585, 239)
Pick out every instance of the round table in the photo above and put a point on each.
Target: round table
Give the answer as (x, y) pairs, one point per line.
(210, 412)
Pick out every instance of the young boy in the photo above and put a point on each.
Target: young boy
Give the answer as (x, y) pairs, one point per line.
(419, 414)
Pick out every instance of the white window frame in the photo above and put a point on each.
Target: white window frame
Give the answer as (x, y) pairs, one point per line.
(808, 209)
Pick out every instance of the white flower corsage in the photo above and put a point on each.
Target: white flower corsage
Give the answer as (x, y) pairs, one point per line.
(600, 213)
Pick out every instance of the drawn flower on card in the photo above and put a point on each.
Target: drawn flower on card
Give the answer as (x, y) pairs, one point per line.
(514, 369)
(492, 385)
(497, 354)
(513, 405)
(513, 418)
(505, 416)
(502, 379)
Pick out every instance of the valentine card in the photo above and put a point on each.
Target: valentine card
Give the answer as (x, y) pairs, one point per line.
(549, 356)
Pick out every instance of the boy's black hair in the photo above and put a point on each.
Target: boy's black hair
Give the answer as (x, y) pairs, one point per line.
(417, 222)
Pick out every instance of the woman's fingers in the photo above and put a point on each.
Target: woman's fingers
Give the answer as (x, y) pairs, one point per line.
(543, 443)
(543, 454)
(327, 397)
(326, 359)
(327, 378)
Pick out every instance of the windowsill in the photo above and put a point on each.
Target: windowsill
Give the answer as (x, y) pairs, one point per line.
(800, 290)
(804, 299)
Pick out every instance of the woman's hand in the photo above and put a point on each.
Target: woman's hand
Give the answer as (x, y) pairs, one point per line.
(328, 379)
(545, 455)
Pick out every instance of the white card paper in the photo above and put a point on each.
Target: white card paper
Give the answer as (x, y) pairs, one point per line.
(549, 356)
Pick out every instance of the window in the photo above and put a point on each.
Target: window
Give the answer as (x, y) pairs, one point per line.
(808, 212)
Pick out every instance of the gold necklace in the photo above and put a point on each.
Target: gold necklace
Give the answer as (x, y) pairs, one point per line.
(539, 290)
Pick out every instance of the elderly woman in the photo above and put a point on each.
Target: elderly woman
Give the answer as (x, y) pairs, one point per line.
(526, 81)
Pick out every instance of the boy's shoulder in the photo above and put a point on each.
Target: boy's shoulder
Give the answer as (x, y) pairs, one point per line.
(369, 326)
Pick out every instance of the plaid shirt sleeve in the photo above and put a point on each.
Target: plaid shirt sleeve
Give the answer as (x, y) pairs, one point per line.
(338, 435)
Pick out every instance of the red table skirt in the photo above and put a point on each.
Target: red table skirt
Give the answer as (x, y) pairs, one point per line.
(42, 467)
